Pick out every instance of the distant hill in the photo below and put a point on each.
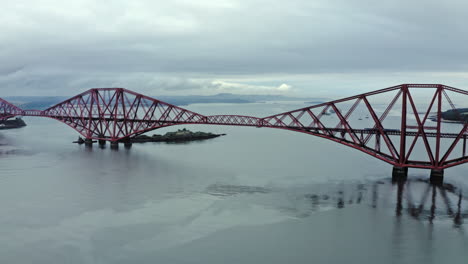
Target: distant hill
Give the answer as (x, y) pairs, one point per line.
(43, 102)
(35, 102)
(229, 98)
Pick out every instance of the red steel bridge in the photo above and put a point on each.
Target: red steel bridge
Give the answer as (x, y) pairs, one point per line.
(404, 127)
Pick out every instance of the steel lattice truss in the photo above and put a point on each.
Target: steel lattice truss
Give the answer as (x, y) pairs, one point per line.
(8, 110)
(395, 146)
(117, 114)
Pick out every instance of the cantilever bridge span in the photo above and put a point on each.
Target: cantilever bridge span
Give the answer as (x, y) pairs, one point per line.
(403, 126)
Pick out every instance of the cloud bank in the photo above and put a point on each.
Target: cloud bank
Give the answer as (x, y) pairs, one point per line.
(208, 46)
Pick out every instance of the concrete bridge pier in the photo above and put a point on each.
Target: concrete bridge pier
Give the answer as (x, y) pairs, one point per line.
(102, 142)
(88, 142)
(127, 142)
(399, 174)
(437, 176)
(114, 145)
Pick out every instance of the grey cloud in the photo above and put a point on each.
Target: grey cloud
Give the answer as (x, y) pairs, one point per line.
(70, 83)
(9, 70)
(70, 44)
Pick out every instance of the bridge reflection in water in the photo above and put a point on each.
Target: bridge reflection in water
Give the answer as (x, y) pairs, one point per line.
(415, 198)
(445, 197)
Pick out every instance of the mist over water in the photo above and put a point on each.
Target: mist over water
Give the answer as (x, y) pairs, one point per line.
(252, 196)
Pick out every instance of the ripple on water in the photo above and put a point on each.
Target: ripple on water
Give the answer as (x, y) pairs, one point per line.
(228, 189)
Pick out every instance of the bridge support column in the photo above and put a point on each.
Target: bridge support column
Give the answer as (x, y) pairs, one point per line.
(437, 176)
(102, 142)
(399, 174)
(88, 142)
(114, 145)
(127, 142)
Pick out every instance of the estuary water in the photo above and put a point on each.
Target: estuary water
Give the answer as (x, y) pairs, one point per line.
(256, 195)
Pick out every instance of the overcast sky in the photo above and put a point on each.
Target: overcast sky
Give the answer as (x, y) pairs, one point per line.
(296, 47)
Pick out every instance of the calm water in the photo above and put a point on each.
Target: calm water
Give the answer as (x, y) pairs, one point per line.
(253, 196)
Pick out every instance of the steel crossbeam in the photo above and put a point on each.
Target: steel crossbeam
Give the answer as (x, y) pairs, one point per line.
(118, 114)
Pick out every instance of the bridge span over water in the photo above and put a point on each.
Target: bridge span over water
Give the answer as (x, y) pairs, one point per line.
(401, 125)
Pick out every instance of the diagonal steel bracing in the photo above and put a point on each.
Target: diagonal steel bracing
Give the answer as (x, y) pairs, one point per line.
(117, 114)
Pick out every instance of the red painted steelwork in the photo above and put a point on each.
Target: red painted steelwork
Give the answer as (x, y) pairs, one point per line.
(8, 110)
(117, 114)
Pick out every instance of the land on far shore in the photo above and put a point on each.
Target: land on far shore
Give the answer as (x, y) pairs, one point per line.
(456, 115)
(44, 102)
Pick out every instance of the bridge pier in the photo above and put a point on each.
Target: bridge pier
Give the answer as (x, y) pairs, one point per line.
(102, 142)
(437, 176)
(114, 145)
(399, 174)
(88, 142)
(127, 142)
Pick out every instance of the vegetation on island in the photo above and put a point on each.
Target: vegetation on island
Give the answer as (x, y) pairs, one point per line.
(180, 135)
(13, 123)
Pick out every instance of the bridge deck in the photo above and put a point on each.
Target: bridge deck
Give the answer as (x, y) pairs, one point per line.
(117, 114)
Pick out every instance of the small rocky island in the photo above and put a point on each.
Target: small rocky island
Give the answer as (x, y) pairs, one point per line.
(10, 124)
(181, 135)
